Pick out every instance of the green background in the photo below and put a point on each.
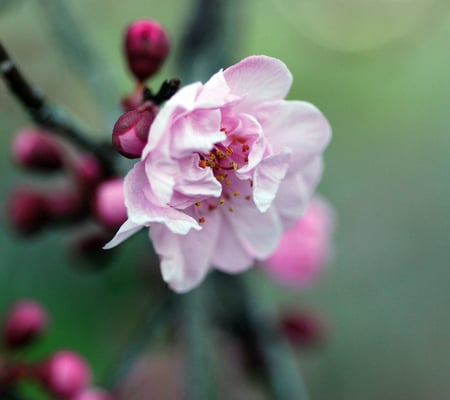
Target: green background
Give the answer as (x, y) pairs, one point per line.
(380, 72)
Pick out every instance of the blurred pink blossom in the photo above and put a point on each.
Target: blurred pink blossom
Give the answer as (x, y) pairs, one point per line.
(228, 167)
(304, 249)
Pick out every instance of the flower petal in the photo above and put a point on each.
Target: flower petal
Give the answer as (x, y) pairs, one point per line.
(127, 229)
(258, 79)
(185, 260)
(143, 211)
(295, 125)
(268, 176)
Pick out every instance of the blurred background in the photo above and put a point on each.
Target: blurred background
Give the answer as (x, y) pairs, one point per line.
(380, 71)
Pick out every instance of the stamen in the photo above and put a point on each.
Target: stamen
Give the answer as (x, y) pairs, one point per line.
(198, 204)
(222, 201)
(230, 151)
(202, 164)
(236, 193)
(212, 207)
(231, 209)
(202, 220)
(248, 197)
(227, 182)
(245, 147)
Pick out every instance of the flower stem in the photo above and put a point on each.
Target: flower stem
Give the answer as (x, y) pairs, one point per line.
(199, 379)
(279, 361)
(51, 117)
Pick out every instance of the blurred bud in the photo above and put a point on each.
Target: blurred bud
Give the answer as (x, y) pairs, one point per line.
(36, 149)
(26, 210)
(146, 48)
(65, 374)
(25, 322)
(130, 132)
(109, 204)
(303, 329)
(88, 171)
(64, 204)
(304, 249)
(93, 394)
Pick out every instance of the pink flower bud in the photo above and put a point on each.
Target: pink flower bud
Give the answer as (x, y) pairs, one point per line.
(26, 211)
(36, 149)
(304, 249)
(88, 171)
(64, 204)
(26, 321)
(93, 394)
(303, 329)
(130, 132)
(109, 203)
(65, 374)
(146, 48)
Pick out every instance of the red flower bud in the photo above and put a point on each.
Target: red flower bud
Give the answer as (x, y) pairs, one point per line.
(130, 132)
(93, 394)
(64, 204)
(65, 374)
(303, 329)
(36, 149)
(26, 321)
(109, 204)
(27, 211)
(146, 48)
(88, 171)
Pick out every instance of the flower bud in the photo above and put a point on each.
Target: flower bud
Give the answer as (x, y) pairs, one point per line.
(27, 211)
(26, 321)
(64, 204)
(109, 204)
(65, 374)
(146, 48)
(130, 132)
(303, 329)
(93, 394)
(88, 171)
(36, 149)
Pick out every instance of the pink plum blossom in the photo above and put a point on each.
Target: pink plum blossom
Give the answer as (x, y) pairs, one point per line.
(229, 166)
(304, 249)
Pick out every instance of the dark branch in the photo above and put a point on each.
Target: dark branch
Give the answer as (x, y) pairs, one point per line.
(50, 117)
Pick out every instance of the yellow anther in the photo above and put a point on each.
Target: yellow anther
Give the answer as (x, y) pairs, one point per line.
(227, 182)
(236, 193)
(229, 151)
(222, 201)
(230, 209)
(198, 204)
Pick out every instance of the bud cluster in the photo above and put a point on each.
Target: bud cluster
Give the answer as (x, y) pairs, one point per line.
(86, 192)
(64, 375)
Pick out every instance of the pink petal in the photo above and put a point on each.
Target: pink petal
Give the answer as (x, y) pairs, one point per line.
(268, 176)
(297, 126)
(296, 190)
(185, 260)
(141, 209)
(258, 232)
(229, 255)
(127, 229)
(258, 79)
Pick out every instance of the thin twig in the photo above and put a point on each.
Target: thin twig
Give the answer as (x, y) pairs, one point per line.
(50, 117)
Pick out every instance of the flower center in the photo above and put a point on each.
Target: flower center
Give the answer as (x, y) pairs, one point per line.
(225, 159)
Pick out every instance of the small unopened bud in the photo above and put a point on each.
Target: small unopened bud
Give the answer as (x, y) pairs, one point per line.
(130, 132)
(26, 210)
(109, 204)
(88, 171)
(146, 48)
(26, 321)
(303, 329)
(64, 204)
(65, 374)
(93, 394)
(36, 149)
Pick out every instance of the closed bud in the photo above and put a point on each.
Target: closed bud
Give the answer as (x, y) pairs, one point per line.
(146, 48)
(109, 204)
(25, 322)
(93, 394)
(65, 374)
(88, 171)
(36, 149)
(131, 130)
(303, 329)
(26, 210)
(64, 204)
